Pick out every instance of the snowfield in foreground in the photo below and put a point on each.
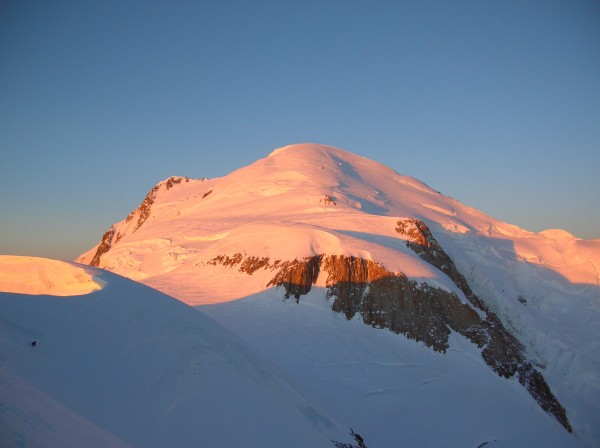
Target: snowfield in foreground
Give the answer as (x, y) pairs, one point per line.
(128, 366)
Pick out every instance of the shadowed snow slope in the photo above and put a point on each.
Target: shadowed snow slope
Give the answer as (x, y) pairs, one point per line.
(394, 391)
(214, 241)
(130, 366)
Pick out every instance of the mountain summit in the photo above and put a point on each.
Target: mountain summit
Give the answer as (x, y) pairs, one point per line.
(322, 193)
(316, 223)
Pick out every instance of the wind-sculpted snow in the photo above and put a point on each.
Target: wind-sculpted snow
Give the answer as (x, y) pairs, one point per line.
(306, 201)
(30, 275)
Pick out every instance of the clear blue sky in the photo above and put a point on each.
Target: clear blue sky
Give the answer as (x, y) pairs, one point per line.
(495, 103)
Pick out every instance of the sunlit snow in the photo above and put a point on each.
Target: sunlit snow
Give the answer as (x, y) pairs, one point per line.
(27, 275)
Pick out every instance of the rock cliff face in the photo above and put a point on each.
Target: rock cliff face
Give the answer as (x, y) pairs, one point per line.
(421, 241)
(103, 247)
(501, 349)
(384, 299)
(424, 313)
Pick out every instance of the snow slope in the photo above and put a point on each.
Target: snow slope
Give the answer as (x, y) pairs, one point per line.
(305, 200)
(128, 366)
(394, 391)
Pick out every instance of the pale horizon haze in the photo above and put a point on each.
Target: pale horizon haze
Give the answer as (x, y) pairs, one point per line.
(494, 103)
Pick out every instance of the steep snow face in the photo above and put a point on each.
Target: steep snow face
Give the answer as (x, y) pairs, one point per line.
(308, 200)
(128, 366)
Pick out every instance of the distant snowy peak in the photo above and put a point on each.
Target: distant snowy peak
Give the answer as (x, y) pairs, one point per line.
(283, 220)
(330, 167)
(297, 179)
(331, 201)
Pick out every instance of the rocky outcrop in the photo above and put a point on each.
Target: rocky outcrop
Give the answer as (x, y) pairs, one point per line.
(327, 200)
(172, 181)
(422, 242)
(226, 260)
(387, 300)
(384, 299)
(108, 240)
(502, 351)
(103, 247)
(297, 277)
(357, 437)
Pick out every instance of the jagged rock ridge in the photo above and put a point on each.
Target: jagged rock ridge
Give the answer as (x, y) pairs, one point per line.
(390, 300)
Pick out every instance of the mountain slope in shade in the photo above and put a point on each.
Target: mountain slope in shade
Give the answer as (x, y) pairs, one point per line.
(533, 296)
(394, 391)
(126, 365)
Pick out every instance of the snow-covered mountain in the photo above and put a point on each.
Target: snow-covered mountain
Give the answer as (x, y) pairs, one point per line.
(91, 359)
(477, 304)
